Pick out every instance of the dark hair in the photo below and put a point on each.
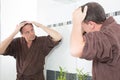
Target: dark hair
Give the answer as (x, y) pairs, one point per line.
(95, 13)
(24, 25)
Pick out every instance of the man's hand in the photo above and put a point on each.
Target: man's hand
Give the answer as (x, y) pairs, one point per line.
(19, 26)
(79, 16)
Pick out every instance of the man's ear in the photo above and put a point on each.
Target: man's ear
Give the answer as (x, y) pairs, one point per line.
(92, 25)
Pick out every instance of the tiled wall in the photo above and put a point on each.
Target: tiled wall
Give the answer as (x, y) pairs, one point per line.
(52, 75)
(116, 13)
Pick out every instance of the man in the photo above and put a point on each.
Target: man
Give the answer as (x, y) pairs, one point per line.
(30, 50)
(101, 43)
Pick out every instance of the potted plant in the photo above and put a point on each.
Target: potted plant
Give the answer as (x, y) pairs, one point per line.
(81, 75)
(62, 74)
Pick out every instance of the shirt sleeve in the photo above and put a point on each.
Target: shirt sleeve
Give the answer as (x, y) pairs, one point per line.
(97, 46)
(49, 44)
(11, 49)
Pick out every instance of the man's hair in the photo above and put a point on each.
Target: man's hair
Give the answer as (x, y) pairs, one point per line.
(24, 25)
(94, 13)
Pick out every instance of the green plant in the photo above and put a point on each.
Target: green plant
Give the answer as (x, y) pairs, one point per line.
(81, 75)
(62, 75)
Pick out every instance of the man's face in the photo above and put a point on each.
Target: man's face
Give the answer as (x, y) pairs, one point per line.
(28, 33)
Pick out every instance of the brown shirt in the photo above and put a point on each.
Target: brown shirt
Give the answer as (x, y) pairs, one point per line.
(30, 61)
(103, 47)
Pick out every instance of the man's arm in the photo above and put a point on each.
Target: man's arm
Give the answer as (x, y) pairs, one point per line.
(5, 43)
(77, 41)
(54, 34)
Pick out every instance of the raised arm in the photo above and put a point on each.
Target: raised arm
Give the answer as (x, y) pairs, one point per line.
(77, 41)
(5, 43)
(54, 34)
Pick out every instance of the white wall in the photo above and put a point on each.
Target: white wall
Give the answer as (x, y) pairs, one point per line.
(46, 12)
(0, 29)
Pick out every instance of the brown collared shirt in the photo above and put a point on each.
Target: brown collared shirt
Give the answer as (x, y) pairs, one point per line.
(103, 47)
(30, 61)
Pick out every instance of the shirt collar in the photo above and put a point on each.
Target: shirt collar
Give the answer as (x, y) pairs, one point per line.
(108, 21)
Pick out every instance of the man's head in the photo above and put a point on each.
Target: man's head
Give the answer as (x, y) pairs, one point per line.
(95, 15)
(27, 31)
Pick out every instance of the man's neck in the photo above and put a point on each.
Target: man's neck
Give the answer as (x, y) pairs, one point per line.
(29, 43)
